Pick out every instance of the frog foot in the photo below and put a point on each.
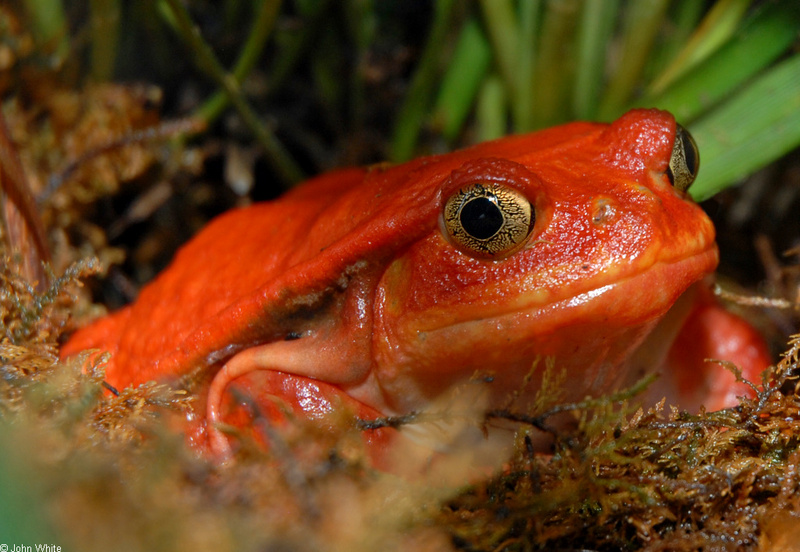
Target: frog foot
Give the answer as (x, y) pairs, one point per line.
(711, 338)
(246, 395)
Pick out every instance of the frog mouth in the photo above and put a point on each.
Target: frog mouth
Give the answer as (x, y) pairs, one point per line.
(587, 331)
(639, 297)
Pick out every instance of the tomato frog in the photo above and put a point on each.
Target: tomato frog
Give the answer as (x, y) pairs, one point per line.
(378, 289)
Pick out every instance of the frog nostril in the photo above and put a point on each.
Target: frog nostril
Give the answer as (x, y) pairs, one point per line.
(602, 211)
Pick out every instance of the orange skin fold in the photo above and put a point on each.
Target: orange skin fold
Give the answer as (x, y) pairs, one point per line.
(348, 292)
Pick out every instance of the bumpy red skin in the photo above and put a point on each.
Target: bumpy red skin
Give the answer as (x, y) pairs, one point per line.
(390, 314)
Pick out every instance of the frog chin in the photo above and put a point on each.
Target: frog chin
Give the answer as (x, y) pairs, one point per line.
(589, 336)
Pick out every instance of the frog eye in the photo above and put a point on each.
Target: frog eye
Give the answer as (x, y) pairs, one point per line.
(488, 220)
(685, 160)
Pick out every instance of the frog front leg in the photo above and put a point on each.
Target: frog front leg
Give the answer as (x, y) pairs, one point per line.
(713, 333)
(273, 371)
(324, 363)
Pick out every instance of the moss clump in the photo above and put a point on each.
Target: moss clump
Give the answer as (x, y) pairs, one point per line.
(648, 480)
(85, 467)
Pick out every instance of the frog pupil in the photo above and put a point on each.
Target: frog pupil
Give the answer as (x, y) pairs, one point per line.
(481, 218)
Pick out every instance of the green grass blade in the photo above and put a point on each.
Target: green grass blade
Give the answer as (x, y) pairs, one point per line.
(492, 110)
(685, 16)
(554, 63)
(291, 43)
(277, 155)
(463, 78)
(331, 90)
(761, 40)
(523, 98)
(48, 23)
(595, 29)
(716, 28)
(643, 18)
(266, 13)
(415, 107)
(362, 28)
(501, 23)
(745, 133)
(105, 19)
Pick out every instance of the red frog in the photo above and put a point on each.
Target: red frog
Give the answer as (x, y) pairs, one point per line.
(380, 288)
